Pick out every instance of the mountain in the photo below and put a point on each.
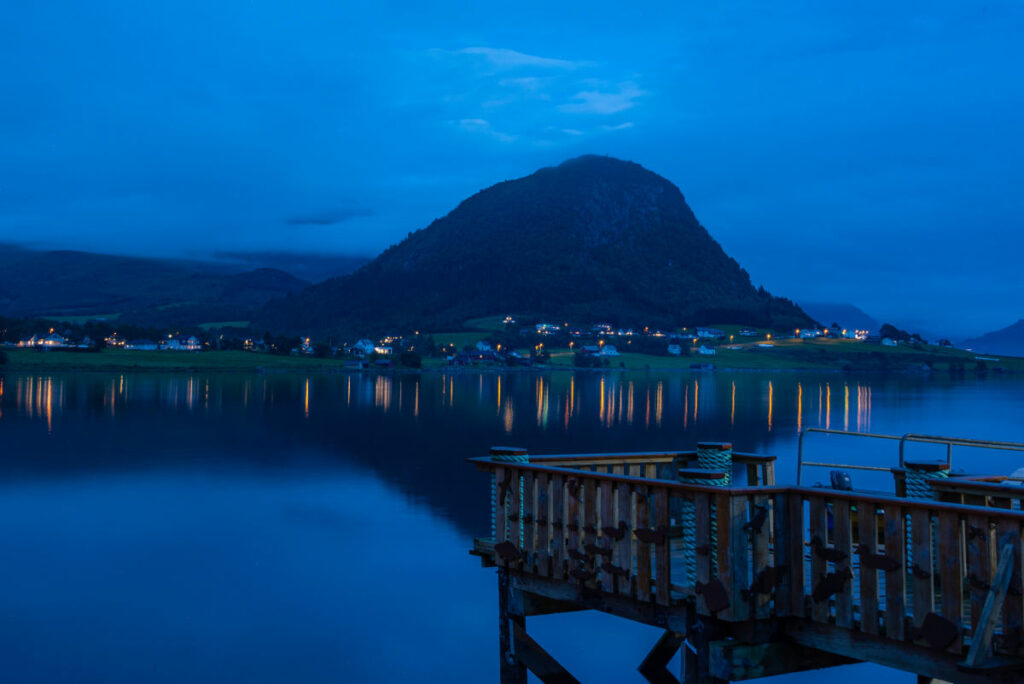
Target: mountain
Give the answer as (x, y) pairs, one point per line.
(1009, 341)
(846, 315)
(593, 239)
(139, 290)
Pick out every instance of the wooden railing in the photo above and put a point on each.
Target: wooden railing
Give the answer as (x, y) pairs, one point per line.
(759, 469)
(902, 569)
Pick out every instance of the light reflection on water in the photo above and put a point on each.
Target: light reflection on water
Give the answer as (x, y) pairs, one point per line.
(282, 527)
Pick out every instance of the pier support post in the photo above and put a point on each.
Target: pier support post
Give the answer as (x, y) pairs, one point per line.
(511, 615)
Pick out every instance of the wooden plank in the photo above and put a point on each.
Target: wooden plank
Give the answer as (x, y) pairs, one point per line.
(867, 526)
(1009, 534)
(986, 625)
(540, 662)
(643, 550)
(606, 518)
(623, 557)
(842, 529)
(895, 579)
(760, 537)
(543, 524)
(921, 565)
(589, 527)
(819, 566)
(654, 665)
(979, 565)
(500, 511)
(573, 492)
(723, 547)
(950, 572)
(514, 508)
(557, 525)
(739, 552)
(528, 522)
(784, 538)
(702, 540)
(662, 569)
(795, 556)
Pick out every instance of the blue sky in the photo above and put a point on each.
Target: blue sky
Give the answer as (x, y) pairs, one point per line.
(866, 153)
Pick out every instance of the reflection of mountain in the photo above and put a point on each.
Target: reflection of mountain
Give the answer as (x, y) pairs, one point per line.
(413, 431)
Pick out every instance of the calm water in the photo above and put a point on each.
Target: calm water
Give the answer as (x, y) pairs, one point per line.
(277, 528)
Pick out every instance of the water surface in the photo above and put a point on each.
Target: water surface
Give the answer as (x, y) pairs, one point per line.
(275, 528)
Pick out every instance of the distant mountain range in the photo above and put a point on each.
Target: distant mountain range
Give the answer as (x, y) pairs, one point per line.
(846, 315)
(593, 239)
(1009, 341)
(138, 290)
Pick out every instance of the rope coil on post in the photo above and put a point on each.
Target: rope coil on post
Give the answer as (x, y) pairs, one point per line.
(715, 457)
(506, 455)
(918, 477)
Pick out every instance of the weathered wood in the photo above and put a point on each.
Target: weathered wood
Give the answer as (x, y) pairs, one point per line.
(500, 510)
(921, 581)
(662, 568)
(739, 579)
(844, 544)
(981, 644)
(653, 666)
(895, 579)
(542, 524)
(643, 550)
(557, 524)
(818, 525)
(785, 538)
(704, 546)
(623, 557)
(511, 614)
(950, 578)
(734, 661)
(759, 530)
(867, 524)
(573, 492)
(589, 528)
(514, 508)
(606, 518)
(539, 661)
(979, 565)
(528, 522)
(1010, 534)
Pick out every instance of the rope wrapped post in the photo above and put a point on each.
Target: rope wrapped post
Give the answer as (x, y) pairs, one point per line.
(501, 454)
(714, 469)
(918, 476)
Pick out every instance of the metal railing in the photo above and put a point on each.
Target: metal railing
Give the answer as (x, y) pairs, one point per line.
(950, 442)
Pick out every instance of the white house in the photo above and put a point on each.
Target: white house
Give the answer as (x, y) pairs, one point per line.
(675, 349)
(888, 342)
(382, 350)
(363, 347)
(706, 351)
(141, 345)
(609, 350)
(710, 333)
(809, 334)
(483, 346)
(182, 343)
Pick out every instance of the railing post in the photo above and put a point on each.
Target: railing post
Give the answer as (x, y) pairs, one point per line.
(501, 454)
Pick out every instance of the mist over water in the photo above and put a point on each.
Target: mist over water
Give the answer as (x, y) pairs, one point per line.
(271, 528)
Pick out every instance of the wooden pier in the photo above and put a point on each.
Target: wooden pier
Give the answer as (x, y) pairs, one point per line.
(758, 579)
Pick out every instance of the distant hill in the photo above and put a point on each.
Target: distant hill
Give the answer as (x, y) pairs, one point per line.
(846, 315)
(146, 291)
(593, 239)
(1009, 341)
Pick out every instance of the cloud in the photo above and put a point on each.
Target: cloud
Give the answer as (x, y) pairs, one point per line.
(618, 127)
(511, 59)
(484, 126)
(329, 217)
(601, 102)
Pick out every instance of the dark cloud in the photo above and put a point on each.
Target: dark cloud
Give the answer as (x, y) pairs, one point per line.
(329, 217)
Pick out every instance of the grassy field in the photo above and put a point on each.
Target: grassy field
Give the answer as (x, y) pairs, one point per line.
(119, 359)
(785, 355)
(224, 324)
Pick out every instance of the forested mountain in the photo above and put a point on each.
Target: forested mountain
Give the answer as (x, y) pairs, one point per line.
(846, 315)
(148, 291)
(1009, 340)
(593, 239)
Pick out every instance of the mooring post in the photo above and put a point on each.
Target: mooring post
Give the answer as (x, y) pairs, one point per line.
(511, 612)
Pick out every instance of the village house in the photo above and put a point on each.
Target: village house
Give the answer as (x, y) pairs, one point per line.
(706, 351)
(748, 332)
(609, 350)
(889, 342)
(675, 349)
(182, 343)
(363, 347)
(141, 345)
(710, 333)
(483, 346)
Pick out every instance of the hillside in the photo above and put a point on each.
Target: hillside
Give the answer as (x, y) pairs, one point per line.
(846, 315)
(1009, 340)
(139, 290)
(592, 239)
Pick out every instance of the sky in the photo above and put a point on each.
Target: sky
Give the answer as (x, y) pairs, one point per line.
(867, 153)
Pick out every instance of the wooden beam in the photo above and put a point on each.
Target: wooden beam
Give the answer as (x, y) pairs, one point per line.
(654, 666)
(535, 604)
(734, 661)
(899, 655)
(982, 641)
(510, 618)
(540, 662)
